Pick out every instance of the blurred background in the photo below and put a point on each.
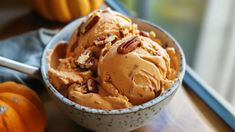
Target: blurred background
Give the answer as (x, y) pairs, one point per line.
(206, 31)
(181, 18)
(204, 28)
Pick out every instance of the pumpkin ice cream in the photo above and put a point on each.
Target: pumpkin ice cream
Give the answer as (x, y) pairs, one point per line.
(140, 75)
(96, 27)
(110, 64)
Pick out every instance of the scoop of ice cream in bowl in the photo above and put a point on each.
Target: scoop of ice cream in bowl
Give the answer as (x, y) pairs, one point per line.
(108, 72)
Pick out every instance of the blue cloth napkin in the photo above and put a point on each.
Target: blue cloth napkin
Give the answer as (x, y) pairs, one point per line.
(26, 48)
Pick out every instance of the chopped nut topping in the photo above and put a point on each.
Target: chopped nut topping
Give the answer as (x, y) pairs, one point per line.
(79, 88)
(152, 34)
(86, 60)
(157, 53)
(109, 38)
(108, 45)
(92, 86)
(90, 22)
(134, 28)
(124, 31)
(144, 33)
(99, 41)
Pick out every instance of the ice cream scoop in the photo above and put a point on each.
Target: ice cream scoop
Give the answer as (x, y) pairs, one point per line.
(99, 25)
(140, 74)
(110, 64)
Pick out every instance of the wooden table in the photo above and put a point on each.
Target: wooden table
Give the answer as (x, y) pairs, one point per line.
(186, 112)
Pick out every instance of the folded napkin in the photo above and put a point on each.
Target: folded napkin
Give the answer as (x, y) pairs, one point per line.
(26, 48)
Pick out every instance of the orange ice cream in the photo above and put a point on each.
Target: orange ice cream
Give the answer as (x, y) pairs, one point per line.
(103, 22)
(140, 75)
(109, 64)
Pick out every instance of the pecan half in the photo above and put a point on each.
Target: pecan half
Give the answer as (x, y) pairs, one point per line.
(92, 86)
(86, 60)
(102, 40)
(90, 22)
(129, 45)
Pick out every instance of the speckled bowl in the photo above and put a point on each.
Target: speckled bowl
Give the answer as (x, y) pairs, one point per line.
(113, 120)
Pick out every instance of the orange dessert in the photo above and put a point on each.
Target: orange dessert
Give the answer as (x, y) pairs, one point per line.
(110, 64)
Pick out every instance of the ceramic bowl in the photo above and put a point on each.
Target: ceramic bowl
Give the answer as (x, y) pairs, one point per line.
(113, 120)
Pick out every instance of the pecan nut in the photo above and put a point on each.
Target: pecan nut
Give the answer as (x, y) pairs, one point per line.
(102, 40)
(90, 22)
(129, 45)
(92, 86)
(86, 60)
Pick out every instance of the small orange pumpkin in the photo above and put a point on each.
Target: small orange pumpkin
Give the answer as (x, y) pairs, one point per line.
(20, 109)
(64, 10)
